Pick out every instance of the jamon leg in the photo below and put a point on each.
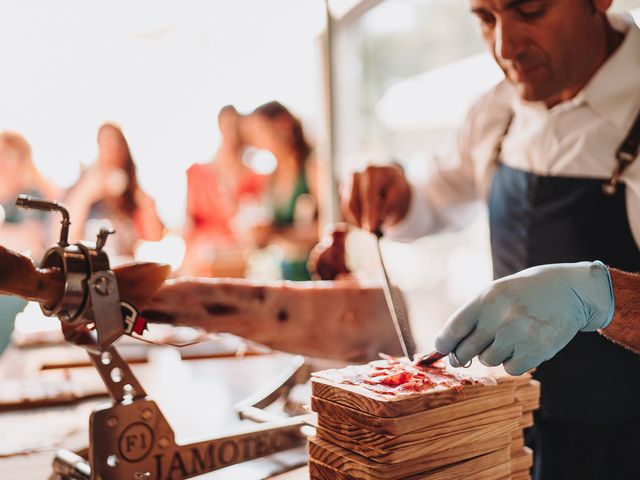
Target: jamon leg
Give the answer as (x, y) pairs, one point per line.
(339, 320)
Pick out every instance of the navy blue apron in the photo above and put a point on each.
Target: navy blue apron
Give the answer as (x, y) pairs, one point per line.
(592, 386)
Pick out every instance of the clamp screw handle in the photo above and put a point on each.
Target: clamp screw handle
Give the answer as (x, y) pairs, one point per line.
(102, 237)
(27, 201)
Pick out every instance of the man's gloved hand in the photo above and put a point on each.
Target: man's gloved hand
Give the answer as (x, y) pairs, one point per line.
(526, 318)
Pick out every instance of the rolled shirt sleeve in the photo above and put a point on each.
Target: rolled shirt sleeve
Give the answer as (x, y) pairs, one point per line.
(459, 184)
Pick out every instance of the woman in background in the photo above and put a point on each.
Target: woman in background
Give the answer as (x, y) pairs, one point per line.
(108, 194)
(216, 192)
(291, 192)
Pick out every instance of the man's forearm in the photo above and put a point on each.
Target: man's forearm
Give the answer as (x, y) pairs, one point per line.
(625, 326)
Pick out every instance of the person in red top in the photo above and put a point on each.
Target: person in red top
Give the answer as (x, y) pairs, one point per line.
(216, 191)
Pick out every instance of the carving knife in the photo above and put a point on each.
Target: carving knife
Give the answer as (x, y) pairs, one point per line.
(398, 316)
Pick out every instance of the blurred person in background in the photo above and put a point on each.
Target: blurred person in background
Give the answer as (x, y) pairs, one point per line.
(20, 230)
(108, 194)
(216, 192)
(291, 192)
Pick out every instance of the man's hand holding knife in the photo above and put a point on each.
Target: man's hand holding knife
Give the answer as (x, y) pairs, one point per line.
(377, 197)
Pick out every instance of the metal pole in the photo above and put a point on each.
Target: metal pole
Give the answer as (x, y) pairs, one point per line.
(329, 211)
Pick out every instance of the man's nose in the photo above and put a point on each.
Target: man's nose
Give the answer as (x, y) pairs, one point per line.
(509, 40)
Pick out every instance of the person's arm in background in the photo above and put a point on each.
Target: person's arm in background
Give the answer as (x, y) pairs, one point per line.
(625, 326)
(147, 220)
(190, 262)
(28, 236)
(89, 189)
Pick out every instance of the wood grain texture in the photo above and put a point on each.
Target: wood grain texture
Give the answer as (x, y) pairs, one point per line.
(320, 471)
(517, 441)
(454, 446)
(526, 420)
(337, 413)
(371, 403)
(528, 395)
(522, 461)
(509, 416)
(359, 466)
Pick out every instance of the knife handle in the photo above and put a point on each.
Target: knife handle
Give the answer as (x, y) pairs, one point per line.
(430, 358)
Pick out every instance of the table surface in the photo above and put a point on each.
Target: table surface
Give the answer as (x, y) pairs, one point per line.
(196, 396)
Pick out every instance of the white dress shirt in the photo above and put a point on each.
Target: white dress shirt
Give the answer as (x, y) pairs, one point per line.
(576, 138)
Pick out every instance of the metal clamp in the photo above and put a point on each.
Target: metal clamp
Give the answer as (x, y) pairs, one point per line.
(90, 295)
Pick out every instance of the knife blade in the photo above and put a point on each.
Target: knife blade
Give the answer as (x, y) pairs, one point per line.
(394, 303)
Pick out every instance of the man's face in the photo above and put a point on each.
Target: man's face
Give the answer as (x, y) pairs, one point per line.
(546, 48)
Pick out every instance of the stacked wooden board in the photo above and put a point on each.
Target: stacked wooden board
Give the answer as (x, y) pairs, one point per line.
(472, 431)
(527, 396)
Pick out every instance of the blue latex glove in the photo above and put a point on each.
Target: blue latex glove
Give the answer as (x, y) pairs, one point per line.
(526, 318)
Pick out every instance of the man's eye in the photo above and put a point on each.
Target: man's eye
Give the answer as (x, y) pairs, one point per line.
(485, 20)
(532, 10)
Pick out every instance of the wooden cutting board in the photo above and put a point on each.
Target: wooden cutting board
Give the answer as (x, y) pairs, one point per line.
(357, 465)
(435, 437)
(526, 420)
(453, 445)
(517, 441)
(503, 395)
(528, 395)
(493, 454)
(378, 405)
(320, 471)
(522, 461)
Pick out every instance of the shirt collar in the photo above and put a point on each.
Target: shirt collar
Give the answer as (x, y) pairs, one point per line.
(609, 89)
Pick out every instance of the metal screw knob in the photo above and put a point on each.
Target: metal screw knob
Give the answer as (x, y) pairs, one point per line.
(102, 237)
(103, 286)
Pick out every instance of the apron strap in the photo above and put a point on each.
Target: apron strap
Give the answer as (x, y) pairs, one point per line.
(497, 150)
(625, 155)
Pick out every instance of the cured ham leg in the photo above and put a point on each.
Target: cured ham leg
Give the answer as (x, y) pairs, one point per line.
(340, 320)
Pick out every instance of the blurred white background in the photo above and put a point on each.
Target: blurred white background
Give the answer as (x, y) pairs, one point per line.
(160, 68)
